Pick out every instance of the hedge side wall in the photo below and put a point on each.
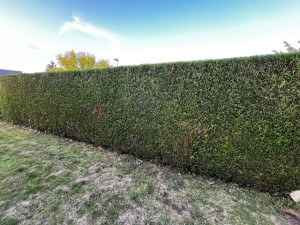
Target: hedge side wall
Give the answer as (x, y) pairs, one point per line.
(237, 119)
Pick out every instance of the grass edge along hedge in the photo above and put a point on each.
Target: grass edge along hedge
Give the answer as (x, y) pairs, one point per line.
(236, 119)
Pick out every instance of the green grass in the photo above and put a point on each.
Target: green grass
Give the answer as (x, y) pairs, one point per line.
(48, 179)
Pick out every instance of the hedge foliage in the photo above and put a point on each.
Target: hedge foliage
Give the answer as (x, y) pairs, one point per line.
(237, 119)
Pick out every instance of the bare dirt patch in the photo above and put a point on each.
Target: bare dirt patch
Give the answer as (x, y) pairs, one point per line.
(20, 210)
(96, 168)
(26, 153)
(81, 179)
(82, 220)
(57, 173)
(62, 187)
(136, 216)
(109, 181)
(11, 212)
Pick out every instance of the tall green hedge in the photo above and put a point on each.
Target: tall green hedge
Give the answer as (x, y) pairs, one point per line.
(237, 119)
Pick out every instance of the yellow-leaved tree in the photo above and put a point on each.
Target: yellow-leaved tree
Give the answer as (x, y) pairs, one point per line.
(76, 61)
(86, 60)
(102, 64)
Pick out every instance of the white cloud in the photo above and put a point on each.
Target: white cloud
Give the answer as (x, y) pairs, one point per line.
(89, 29)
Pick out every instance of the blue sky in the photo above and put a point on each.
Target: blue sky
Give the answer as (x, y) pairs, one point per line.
(33, 32)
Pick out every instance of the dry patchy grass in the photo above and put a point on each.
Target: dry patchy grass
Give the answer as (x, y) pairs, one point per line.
(46, 179)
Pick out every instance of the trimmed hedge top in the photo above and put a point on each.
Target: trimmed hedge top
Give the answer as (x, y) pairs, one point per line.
(237, 119)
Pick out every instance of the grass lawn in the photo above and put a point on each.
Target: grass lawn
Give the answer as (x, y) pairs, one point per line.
(46, 179)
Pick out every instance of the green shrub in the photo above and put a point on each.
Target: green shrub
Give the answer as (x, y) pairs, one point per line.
(237, 119)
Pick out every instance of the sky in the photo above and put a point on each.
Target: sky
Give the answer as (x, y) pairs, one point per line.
(34, 32)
